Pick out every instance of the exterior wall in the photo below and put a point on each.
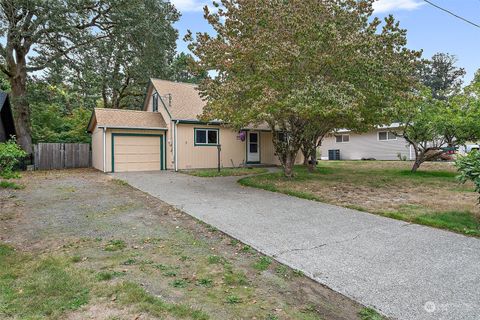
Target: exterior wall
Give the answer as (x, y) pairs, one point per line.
(108, 145)
(233, 151)
(97, 149)
(168, 120)
(191, 156)
(366, 145)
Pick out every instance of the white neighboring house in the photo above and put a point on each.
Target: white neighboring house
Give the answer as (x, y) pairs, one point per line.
(378, 144)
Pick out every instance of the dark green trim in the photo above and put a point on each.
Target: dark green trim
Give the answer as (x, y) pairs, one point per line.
(259, 149)
(123, 128)
(163, 103)
(162, 146)
(205, 144)
(199, 122)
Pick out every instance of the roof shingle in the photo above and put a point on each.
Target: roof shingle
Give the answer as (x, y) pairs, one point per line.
(127, 118)
(186, 103)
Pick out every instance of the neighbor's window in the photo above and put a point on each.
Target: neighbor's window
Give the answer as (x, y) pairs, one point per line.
(386, 135)
(206, 137)
(155, 102)
(342, 138)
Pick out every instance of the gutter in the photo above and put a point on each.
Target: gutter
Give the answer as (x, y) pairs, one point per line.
(175, 149)
(133, 128)
(104, 151)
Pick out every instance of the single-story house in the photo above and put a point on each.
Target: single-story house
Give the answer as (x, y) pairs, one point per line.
(168, 135)
(378, 144)
(7, 125)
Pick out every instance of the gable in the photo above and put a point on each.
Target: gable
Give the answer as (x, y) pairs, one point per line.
(180, 100)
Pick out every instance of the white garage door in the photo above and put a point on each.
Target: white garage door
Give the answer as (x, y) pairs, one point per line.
(137, 153)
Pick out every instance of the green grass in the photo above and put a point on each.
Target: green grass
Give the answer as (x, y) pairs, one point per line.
(37, 288)
(374, 177)
(370, 314)
(10, 185)
(452, 220)
(131, 294)
(233, 299)
(115, 245)
(225, 172)
(262, 264)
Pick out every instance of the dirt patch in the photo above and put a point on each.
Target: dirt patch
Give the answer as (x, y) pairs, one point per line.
(120, 234)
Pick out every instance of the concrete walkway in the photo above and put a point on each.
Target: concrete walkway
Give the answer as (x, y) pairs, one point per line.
(404, 270)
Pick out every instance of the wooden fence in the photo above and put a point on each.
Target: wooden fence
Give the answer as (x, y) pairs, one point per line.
(50, 156)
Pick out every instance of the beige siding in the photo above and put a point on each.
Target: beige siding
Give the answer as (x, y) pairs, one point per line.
(233, 150)
(169, 139)
(97, 149)
(191, 156)
(366, 145)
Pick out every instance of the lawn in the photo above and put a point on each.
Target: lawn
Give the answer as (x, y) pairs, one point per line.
(432, 196)
(77, 244)
(224, 172)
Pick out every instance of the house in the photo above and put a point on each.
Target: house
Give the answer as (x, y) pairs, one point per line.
(378, 144)
(168, 135)
(7, 125)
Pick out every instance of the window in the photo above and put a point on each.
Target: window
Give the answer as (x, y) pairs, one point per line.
(206, 137)
(386, 135)
(342, 138)
(155, 102)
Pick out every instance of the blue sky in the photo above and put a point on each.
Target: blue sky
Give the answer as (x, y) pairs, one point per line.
(428, 28)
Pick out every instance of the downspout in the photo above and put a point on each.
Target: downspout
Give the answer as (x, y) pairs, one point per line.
(104, 151)
(175, 145)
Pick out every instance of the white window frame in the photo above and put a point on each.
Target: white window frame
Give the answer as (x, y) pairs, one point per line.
(343, 140)
(388, 136)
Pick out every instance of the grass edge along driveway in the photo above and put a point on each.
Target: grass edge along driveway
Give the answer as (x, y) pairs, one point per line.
(431, 197)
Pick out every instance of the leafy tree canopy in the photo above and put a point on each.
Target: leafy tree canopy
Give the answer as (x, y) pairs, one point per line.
(293, 63)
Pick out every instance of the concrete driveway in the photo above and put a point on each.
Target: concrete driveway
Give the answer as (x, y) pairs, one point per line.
(406, 271)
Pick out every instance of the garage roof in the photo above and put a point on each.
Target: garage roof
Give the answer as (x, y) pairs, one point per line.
(121, 118)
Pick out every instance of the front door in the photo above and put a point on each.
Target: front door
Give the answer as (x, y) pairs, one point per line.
(253, 147)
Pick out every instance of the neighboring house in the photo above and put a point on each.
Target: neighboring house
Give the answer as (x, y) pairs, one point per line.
(168, 134)
(378, 144)
(7, 126)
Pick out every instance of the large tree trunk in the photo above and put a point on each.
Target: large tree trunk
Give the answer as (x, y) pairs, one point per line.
(312, 162)
(306, 154)
(416, 165)
(288, 165)
(21, 108)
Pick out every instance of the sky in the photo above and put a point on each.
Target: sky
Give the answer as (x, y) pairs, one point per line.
(429, 29)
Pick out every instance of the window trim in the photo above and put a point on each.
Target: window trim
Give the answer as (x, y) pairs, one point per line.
(196, 144)
(342, 135)
(388, 133)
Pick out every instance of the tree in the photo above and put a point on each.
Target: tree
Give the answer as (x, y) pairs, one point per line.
(49, 29)
(444, 116)
(301, 67)
(421, 127)
(183, 69)
(139, 45)
(441, 75)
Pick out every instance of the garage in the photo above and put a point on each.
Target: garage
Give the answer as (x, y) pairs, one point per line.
(137, 152)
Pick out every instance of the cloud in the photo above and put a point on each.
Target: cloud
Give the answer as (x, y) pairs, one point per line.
(382, 6)
(189, 5)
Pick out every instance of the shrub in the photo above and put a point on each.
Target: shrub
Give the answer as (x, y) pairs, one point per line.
(469, 168)
(10, 155)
